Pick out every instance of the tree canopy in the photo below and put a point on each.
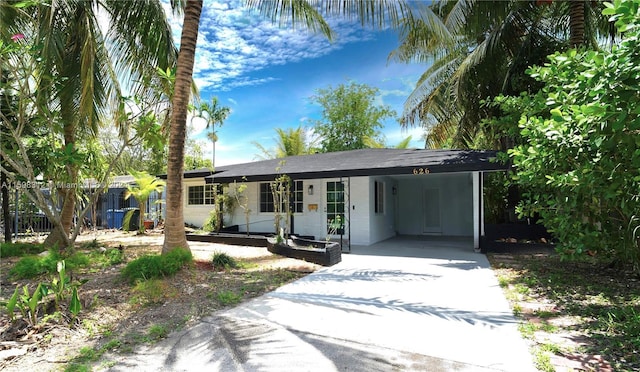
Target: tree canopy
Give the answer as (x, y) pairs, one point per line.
(579, 164)
(350, 115)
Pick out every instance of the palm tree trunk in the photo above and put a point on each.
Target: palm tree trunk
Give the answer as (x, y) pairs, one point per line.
(174, 233)
(576, 22)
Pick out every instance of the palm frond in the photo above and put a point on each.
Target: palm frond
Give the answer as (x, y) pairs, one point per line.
(298, 13)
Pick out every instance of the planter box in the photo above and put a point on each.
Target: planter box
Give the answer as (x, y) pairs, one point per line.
(316, 251)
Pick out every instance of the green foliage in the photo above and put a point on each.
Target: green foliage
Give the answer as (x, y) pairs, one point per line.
(227, 298)
(150, 292)
(158, 331)
(27, 267)
(156, 266)
(128, 223)
(349, 116)
(211, 222)
(145, 185)
(20, 249)
(289, 142)
(33, 266)
(223, 261)
(579, 164)
(29, 303)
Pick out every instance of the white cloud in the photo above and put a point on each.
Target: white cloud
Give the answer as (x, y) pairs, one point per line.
(234, 42)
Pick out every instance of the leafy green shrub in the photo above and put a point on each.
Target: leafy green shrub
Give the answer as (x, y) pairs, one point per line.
(156, 266)
(211, 222)
(33, 266)
(176, 259)
(20, 249)
(28, 267)
(223, 260)
(114, 255)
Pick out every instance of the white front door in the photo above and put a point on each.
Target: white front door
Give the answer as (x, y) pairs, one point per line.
(431, 211)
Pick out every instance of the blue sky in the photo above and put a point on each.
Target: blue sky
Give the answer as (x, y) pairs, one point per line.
(266, 75)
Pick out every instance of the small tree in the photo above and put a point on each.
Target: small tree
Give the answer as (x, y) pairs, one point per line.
(349, 116)
(145, 185)
(241, 200)
(280, 189)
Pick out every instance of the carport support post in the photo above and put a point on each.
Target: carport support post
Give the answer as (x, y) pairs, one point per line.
(478, 209)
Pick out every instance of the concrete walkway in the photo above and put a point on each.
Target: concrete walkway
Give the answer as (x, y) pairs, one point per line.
(401, 305)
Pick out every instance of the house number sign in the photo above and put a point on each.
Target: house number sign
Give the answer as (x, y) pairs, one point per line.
(420, 170)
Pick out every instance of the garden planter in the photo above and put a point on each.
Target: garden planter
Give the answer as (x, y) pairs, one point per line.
(148, 225)
(316, 251)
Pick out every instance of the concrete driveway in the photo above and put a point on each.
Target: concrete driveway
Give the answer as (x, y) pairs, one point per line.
(401, 305)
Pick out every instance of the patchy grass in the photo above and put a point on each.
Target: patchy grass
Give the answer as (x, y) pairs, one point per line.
(576, 313)
(117, 317)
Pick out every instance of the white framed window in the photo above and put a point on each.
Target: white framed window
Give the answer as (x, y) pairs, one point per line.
(201, 195)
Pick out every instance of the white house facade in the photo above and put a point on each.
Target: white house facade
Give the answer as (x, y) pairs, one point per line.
(374, 194)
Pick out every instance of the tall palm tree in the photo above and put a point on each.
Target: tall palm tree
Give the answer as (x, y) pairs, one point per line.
(213, 113)
(289, 142)
(297, 13)
(480, 49)
(81, 69)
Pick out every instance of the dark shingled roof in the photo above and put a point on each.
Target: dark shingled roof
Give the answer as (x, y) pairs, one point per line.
(366, 162)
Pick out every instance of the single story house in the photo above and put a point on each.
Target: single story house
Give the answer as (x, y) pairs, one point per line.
(373, 194)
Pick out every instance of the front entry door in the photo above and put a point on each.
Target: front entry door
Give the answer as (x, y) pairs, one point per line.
(431, 211)
(335, 201)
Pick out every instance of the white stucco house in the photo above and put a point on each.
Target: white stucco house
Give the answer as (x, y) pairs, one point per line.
(377, 193)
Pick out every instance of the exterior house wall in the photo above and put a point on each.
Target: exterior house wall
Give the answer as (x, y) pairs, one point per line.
(313, 219)
(455, 199)
(382, 225)
(194, 215)
(358, 215)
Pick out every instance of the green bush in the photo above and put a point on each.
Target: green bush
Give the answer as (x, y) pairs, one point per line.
(33, 266)
(114, 255)
(156, 266)
(223, 260)
(211, 222)
(28, 267)
(20, 249)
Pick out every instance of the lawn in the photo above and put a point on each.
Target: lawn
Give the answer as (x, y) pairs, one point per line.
(578, 315)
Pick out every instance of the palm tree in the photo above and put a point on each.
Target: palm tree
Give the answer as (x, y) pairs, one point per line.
(81, 69)
(480, 49)
(289, 142)
(145, 185)
(297, 13)
(213, 114)
(375, 144)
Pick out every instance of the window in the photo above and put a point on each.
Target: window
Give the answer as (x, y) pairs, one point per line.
(266, 198)
(378, 193)
(297, 195)
(201, 195)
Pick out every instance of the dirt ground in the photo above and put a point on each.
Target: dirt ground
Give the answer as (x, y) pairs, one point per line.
(120, 316)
